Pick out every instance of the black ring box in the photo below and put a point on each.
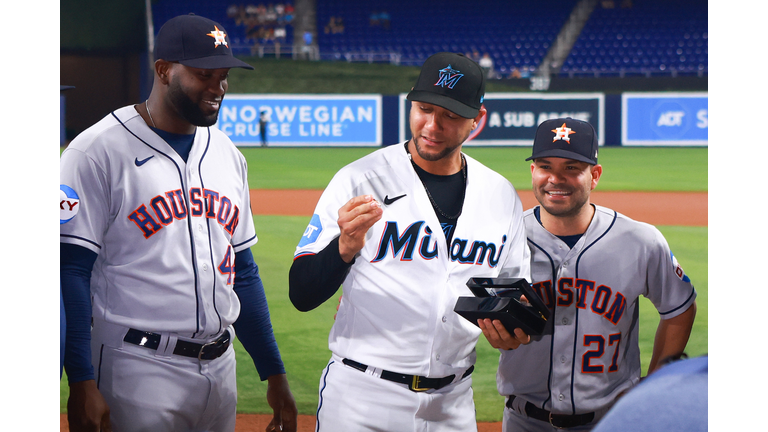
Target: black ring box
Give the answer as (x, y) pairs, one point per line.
(499, 299)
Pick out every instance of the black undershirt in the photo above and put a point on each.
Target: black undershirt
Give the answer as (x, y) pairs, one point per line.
(447, 193)
(570, 240)
(181, 143)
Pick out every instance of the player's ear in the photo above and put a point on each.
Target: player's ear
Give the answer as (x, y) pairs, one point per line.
(480, 114)
(597, 171)
(162, 69)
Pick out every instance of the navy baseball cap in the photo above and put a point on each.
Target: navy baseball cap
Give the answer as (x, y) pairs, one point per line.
(197, 42)
(566, 138)
(451, 81)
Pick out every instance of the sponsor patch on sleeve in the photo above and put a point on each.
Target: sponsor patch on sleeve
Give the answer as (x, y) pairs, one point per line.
(69, 205)
(679, 270)
(312, 232)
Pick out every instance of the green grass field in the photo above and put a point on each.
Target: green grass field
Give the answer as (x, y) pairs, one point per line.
(303, 337)
(624, 168)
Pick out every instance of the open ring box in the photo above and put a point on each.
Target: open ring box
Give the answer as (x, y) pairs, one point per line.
(500, 299)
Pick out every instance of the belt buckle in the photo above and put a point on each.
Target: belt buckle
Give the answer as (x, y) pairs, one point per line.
(200, 354)
(554, 425)
(415, 384)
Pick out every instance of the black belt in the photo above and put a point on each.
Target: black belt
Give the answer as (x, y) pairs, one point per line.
(415, 383)
(560, 421)
(207, 351)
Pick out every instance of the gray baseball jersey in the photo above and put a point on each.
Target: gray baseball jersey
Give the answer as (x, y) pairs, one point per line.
(592, 291)
(165, 231)
(397, 309)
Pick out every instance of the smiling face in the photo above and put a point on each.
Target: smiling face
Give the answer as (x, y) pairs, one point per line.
(196, 94)
(437, 132)
(563, 186)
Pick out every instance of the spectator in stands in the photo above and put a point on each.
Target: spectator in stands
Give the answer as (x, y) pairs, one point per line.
(237, 14)
(486, 64)
(335, 25)
(331, 24)
(280, 35)
(251, 11)
(525, 72)
(373, 19)
(384, 19)
(339, 25)
(270, 16)
(515, 73)
(233, 11)
(306, 49)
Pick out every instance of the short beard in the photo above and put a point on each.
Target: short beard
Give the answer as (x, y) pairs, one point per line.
(187, 109)
(434, 157)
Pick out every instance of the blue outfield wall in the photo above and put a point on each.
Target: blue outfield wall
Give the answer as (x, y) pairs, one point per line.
(372, 120)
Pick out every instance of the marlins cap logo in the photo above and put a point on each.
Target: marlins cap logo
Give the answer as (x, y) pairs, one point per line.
(219, 36)
(563, 133)
(449, 77)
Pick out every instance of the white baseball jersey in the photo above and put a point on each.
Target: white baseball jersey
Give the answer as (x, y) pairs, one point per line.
(397, 309)
(593, 292)
(165, 231)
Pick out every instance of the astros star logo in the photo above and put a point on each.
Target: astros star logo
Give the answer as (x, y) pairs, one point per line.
(562, 133)
(219, 35)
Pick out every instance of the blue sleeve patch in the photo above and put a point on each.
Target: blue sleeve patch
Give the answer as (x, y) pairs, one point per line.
(312, 232)
(70, 203)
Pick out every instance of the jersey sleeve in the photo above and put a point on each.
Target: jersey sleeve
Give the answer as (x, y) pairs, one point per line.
(323, 227)
(85, 200)
(669, 288)
(245, 234)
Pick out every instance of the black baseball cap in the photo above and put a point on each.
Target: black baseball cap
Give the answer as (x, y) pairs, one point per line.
(197, 42)
(566, 138)
(452, 81)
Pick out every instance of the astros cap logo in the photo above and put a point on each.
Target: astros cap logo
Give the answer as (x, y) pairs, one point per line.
(219, 35)
(449, 77)
(562, 133)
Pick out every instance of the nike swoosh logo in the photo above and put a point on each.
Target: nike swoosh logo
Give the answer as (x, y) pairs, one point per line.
(388, 200)
(142, 162)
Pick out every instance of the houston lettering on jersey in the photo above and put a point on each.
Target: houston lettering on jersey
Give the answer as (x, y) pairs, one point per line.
(585, 294)
(461, 250)
(171, 206)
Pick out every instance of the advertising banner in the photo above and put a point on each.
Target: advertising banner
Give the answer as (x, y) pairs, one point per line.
(664, 119)
(512, 118)
(302, 120)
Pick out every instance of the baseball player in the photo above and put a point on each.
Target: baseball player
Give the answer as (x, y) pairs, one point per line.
(590, 265)
(402, 230)
(156, 231)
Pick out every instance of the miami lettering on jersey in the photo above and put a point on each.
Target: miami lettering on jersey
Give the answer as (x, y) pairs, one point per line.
(461, 250)
(585, 294)
(171, 206)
